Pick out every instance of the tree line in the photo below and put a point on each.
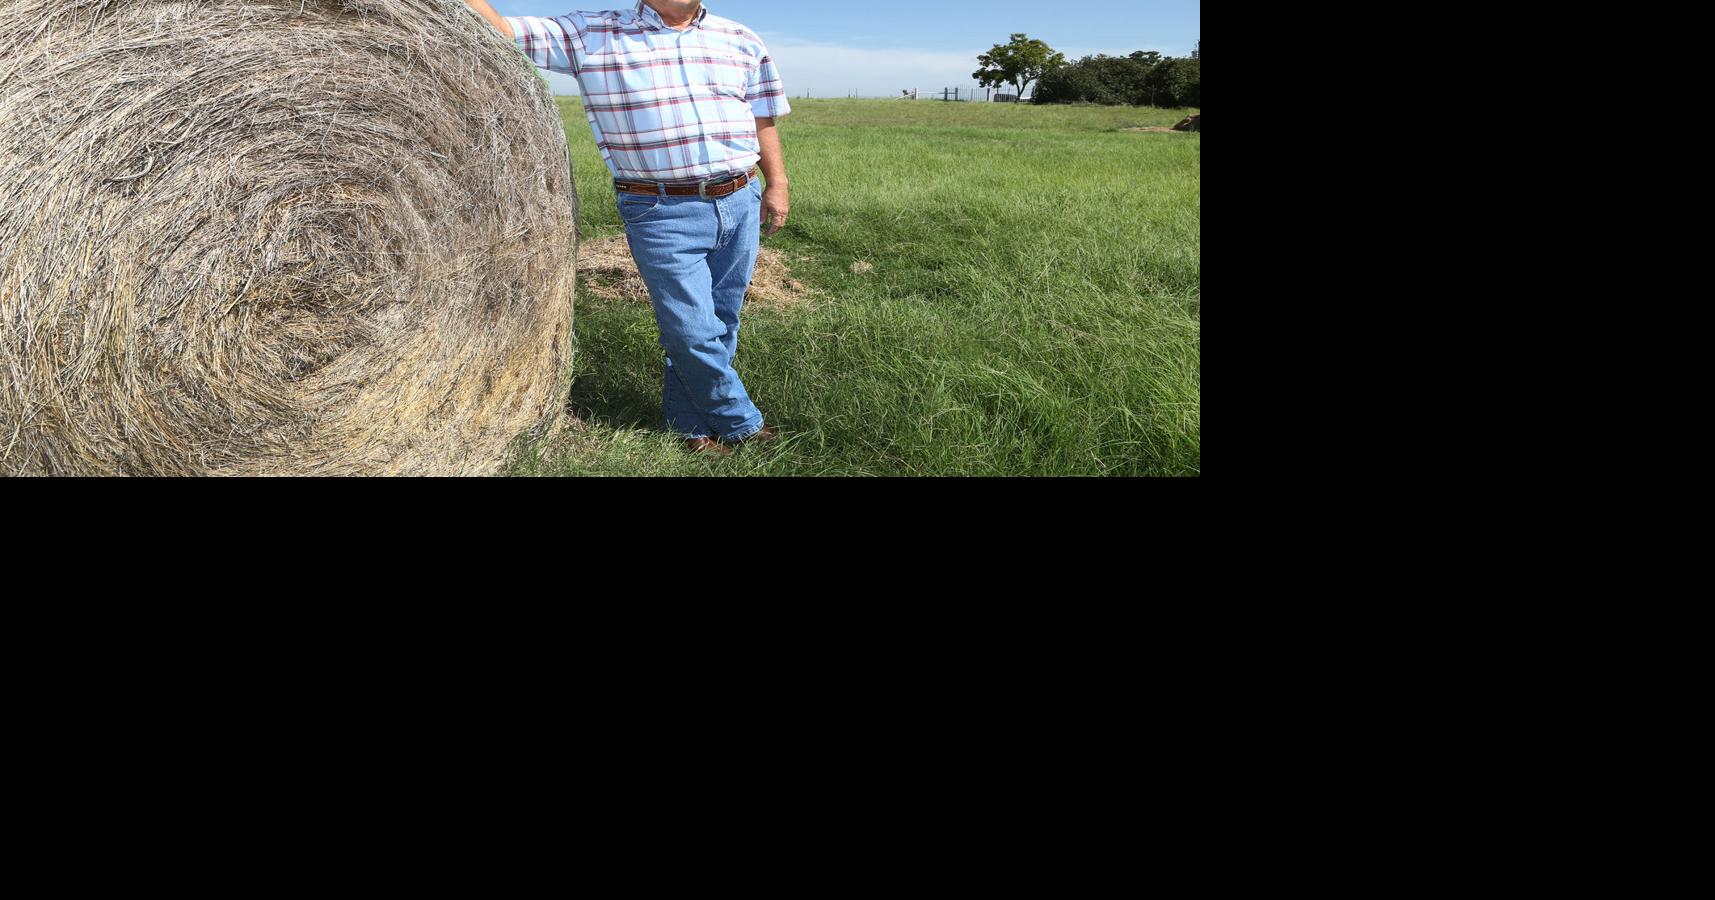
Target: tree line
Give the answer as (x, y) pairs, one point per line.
(1145, 78)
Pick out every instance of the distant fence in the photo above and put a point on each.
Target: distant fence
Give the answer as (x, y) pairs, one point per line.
(970, 95)
(950, 95)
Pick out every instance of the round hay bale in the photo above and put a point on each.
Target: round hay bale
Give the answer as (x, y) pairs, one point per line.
(259, 237)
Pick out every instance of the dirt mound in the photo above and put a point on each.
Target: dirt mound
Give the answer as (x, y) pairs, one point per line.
(610, 273)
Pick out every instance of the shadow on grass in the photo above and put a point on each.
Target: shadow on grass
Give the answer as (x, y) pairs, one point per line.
(617, 368)
(604, 395)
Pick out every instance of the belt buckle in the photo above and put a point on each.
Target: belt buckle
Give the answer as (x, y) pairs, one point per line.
(703, 189)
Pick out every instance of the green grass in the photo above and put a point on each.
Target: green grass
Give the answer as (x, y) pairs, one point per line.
(1034, 307)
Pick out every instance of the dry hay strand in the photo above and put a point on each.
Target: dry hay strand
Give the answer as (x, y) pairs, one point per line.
(276, 237)
(610, 273)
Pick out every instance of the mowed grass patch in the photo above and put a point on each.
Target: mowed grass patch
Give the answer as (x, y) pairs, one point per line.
(1002, 290)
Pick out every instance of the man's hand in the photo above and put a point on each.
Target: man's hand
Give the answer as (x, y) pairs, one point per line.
(776, 201)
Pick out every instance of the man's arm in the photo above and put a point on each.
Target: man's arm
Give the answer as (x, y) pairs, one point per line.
(766, 95)
(776, 198)
(496, 19)
(554, 44)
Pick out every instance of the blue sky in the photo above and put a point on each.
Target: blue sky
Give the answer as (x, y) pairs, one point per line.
(879, 47)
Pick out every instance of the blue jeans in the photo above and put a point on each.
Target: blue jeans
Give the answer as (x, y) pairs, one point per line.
(698, 256)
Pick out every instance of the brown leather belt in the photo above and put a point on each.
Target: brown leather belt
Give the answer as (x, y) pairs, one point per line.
(708, 190)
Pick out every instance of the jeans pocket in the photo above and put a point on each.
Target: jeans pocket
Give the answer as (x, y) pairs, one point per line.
(634, 208)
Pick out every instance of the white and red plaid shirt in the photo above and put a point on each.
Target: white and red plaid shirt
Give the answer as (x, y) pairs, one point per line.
(665, 105)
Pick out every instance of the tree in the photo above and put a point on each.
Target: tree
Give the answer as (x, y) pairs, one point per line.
(1179, 82)
(1135, 83)
(1018, 63)
(1067, 84)
(1143, 78)
(1114, 80)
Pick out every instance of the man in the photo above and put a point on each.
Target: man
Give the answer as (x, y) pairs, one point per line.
(682, 104)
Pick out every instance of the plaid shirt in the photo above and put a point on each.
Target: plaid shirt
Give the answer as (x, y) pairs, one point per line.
(664, 105)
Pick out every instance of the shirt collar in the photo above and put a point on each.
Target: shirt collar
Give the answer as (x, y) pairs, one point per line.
(652, 19)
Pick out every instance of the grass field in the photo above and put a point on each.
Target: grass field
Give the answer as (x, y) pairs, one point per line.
(1033, 308)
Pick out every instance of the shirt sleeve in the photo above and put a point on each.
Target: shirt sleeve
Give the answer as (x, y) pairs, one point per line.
(554, 44)
(767, 93)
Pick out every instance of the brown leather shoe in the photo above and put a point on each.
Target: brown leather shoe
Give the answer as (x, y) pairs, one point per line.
(707, 445)
(768, 433)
